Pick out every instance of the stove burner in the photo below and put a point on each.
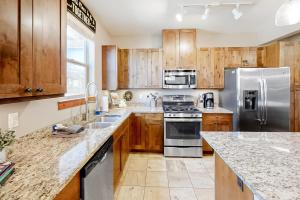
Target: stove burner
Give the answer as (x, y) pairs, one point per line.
(176, 109)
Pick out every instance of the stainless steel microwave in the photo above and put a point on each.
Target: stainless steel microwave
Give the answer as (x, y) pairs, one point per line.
(179, 79)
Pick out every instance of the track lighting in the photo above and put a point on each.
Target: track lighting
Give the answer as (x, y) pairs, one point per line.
(288, 13)
(237, 14)
(206, 13)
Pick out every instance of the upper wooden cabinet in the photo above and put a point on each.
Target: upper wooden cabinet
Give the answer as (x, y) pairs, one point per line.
(32, 48)
(210, 67)
(179, 48)
(123, 65)
(269, 55)
(15, 48)
(109, 67)
(49, 42)
(144, 68)
(241, 57)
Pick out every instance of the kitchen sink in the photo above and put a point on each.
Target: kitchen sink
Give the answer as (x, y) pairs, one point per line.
(109, 118)
(98, 125)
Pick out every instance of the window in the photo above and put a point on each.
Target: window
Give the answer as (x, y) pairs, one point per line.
(77, 62)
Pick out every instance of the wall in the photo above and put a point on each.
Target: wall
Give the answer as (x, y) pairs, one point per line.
(204, 39)
(34, 115)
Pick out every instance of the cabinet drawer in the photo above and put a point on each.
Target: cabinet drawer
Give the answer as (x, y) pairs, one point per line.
(154, 117)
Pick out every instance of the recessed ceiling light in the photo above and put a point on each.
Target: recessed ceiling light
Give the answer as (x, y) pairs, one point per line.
(237, 14)
(288, 13)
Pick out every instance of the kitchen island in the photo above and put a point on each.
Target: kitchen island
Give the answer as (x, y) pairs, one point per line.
(266, 166)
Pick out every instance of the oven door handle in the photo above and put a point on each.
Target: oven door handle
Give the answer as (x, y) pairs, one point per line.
(182, 120)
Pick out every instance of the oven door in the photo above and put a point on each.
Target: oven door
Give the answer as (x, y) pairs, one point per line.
(182, 132)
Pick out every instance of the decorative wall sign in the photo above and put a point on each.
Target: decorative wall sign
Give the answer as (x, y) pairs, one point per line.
(80, 11)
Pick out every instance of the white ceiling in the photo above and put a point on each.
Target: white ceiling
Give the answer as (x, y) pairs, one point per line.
(144, 17)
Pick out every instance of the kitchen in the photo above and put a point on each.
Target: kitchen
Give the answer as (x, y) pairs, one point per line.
(194, 100)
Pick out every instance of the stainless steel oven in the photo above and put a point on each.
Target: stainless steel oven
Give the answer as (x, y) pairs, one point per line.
(179, 79)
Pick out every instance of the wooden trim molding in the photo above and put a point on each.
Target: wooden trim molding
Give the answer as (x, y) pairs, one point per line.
(70, 103)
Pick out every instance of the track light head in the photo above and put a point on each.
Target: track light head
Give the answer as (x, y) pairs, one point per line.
(206, 13)
(179, 17)
(237, 14)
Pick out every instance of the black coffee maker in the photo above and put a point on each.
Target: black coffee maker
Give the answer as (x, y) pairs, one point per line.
(208, 100)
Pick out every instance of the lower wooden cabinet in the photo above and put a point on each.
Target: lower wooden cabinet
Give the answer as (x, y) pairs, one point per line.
(226, 183)
(147, 132)
(215, 122)
(71, 190)
(120, 151)
(154, 132)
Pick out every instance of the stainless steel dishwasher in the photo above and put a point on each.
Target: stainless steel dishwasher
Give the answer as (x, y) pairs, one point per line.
(97, 175)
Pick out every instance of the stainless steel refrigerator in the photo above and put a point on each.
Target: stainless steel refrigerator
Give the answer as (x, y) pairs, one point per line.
(258, 97)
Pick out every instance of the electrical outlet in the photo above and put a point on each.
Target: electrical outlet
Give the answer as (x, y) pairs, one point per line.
(13, 120)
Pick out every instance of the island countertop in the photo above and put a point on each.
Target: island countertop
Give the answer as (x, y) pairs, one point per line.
(268, 163)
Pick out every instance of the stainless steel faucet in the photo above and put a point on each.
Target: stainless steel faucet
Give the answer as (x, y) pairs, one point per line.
(85, 116)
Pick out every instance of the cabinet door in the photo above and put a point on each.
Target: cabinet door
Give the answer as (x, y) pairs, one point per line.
(226, 184)
(117, 161)
(138, 73)
(49, 38)
(15, 48)
(218, 59)
(297, 110)
(170, 49)
(209, 123)
(272, 55)
(154, 68)
(225, 122)
(234, 57)
(125, 147)
(249, 57)
(154, 132)
(187, 48)
(109, 67)
(123, 56)
(137, 138)
(205, 70)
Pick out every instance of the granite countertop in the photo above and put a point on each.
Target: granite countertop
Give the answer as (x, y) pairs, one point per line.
(268, 163)
(215, 110)
(46, 164)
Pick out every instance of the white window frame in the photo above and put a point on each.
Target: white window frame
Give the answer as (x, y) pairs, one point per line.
(86, 63)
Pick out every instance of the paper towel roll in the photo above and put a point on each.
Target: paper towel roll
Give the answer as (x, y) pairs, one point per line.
(105, 104)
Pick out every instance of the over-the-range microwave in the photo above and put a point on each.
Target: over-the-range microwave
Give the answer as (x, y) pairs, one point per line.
(179, 79)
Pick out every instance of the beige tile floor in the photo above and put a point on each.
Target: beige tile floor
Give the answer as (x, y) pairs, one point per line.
(154, 177)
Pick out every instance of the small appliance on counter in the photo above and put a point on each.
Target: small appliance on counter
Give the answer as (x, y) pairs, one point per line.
(208, 100)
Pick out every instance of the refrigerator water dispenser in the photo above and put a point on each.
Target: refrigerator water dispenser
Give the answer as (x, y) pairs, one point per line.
(250, 100)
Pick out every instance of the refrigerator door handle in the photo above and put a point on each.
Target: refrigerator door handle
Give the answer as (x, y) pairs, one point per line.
(265, 101)
(261, 108)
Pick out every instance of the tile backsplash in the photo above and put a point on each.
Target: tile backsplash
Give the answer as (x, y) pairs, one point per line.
(140, 96)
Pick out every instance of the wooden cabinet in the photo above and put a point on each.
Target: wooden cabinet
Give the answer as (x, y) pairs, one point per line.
(210, 68)
(241, 57)
(269, 55)
(215, 122)
(145, 68)
(154, 75)
(218, 61)
(297, 110)
(154, 132)
(15, 52)
(109, 67)
(147, 134)
(32, 46)
(49, 30)
(226, 183)
(249, 57)
(137, 135)
(71, 191)
(179, 48)
(123, 65)
(120, 151)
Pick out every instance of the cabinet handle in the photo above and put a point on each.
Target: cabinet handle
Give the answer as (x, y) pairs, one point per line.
(40, 90)
(28, 90)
